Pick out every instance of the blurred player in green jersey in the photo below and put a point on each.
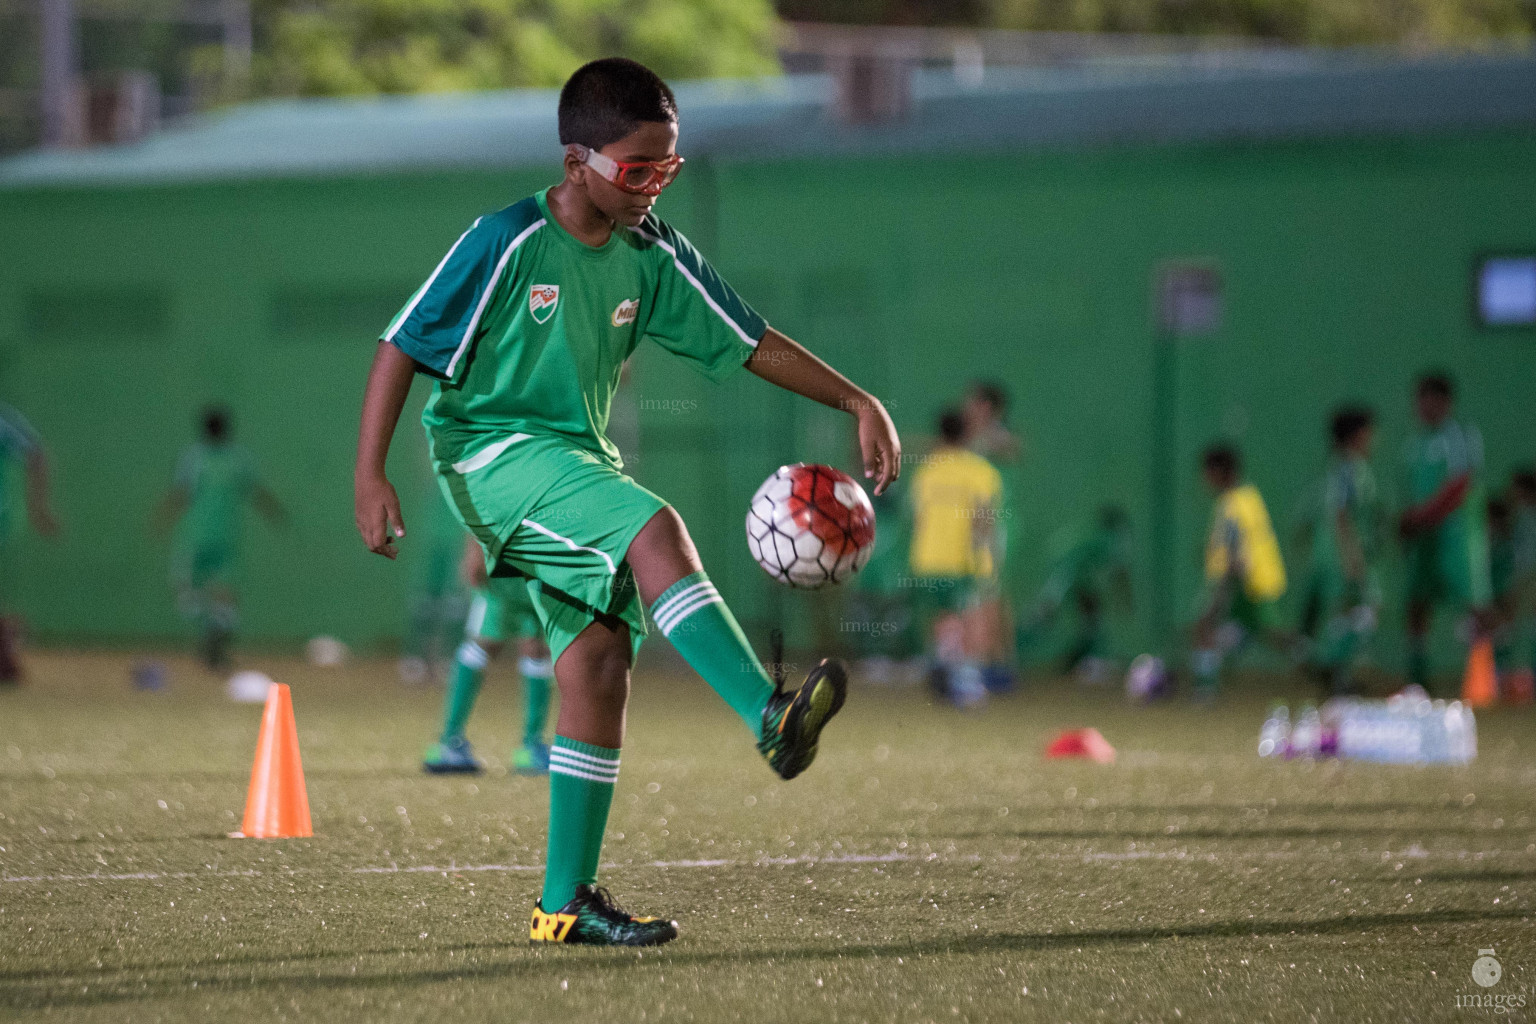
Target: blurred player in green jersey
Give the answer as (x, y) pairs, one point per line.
(1443, 527)
(19, 443)
(525, 326)
(215, 480)
(1244, 573)
(1090, 562)
(501, 611)
(1343, 589)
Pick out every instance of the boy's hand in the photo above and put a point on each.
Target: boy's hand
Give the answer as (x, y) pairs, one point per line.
(879, 444)
(376, 508)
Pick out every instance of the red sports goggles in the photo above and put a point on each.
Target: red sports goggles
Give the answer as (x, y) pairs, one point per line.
(646, 178)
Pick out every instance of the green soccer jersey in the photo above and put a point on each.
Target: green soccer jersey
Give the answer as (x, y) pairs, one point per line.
(17, 442)
(1435, 457)
(218, 480)
(527, 329)
(1349, 487)
(1086, 555)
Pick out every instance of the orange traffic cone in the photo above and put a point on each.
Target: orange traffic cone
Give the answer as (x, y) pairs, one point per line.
(1480, 686)
(277, 806)
(1089, 743)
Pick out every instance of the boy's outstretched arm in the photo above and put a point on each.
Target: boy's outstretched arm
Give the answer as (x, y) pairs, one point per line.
(783, 361)
(374, 503)
(39, 508)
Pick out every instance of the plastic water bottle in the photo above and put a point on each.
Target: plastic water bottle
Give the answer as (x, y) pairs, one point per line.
(1407, 729)
(1275, 733)
(1307, 736)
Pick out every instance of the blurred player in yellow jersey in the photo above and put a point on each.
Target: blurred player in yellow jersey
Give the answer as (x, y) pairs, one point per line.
(1244, 574)
(956, 500)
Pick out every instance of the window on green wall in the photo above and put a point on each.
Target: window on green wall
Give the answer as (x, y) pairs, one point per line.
(96, 313)
(1506, 291)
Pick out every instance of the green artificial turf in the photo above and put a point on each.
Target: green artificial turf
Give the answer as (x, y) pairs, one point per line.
(930, 866)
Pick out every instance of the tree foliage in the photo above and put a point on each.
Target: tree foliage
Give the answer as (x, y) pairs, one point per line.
(1325, 22)
(341, 47)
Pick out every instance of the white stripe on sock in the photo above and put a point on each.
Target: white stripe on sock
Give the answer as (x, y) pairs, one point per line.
(556, 768)
(677, 620)
(472, 655)
(664, 608)
(605, 763)
(535, 668)
(677, 609)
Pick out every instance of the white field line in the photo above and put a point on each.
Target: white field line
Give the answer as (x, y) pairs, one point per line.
(453, 868)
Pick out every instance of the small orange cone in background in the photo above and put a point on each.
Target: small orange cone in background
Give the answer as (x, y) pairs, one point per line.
(277, 806)
(1480, 686)
(1089, 743)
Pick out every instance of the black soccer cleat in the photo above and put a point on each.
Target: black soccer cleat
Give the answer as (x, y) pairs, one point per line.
(592, 919)
(792, 722)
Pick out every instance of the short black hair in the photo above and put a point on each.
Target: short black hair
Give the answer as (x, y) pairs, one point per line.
(214, 420)
(1435, 382)
(1525, 481)
(951, 426)
(993, 393)
(1348, 422)
(1222, 460)
(608, 99)
(1498, 511)
(1113, 517)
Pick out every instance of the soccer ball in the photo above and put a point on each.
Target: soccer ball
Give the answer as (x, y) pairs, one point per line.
(810, 525)
(1147, 679)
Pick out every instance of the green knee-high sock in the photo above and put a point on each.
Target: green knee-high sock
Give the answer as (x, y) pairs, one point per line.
(536, 673)
(581, 780)
(463, 687)
(691, 614)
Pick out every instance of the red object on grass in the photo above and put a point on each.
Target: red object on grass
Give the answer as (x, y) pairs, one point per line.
(1089, 743)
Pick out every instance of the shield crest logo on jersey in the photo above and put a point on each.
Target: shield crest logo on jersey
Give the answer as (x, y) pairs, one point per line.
(541, 301)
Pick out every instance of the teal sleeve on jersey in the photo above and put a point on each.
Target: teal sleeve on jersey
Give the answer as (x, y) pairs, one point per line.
(694, 314)
(437, 327)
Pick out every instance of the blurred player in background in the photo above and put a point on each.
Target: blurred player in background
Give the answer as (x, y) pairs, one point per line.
(525, 324)
(1342, 599)
(985, 412)
(955, 494)
(436, 600)
(1090, 563)
(215, 480)
(19, 443)
(1244, 573)
(1443, 527)
(501, 610)
(1518, 608)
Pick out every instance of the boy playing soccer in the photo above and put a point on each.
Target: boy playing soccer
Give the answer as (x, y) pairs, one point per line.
(1343, 591)
(1443, 528)
(19, 443)
(1244, 574)
(1088, 561)
(525, 325)
(955, 499)
(214, 479)
(501, 608)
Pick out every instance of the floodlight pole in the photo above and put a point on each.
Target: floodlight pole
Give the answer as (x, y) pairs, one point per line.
(59, 59)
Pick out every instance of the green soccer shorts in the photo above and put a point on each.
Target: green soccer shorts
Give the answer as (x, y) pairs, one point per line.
(1450, 565)
(562, 517)
(197, 565)
(502, 610)
(1252, 615)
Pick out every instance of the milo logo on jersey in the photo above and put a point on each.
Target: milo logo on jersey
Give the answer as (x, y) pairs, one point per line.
(541, 301)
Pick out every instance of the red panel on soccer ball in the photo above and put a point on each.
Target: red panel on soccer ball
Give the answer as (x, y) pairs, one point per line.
(840, 516)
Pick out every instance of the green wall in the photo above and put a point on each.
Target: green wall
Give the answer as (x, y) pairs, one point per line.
(1346, 267)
